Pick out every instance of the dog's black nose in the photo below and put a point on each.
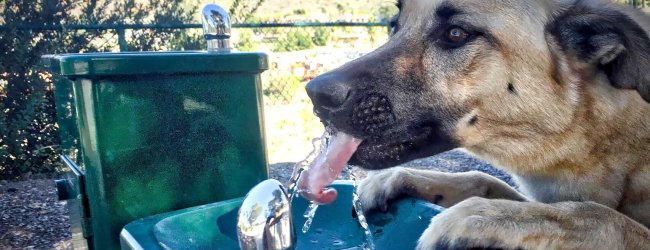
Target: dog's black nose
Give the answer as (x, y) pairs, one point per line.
(328, 91)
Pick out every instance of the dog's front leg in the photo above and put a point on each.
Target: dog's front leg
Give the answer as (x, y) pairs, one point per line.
(444, 189)
(504, 224)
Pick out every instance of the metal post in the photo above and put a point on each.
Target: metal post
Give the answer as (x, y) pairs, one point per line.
(121, 39)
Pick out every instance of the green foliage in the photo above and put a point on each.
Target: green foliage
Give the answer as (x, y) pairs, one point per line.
(386, 12)
(635, 3)
(321, 36)
(299, 12)
(295, 40)
(261, 31)
(164, 11)
(29, 140)
(246, 42)
(340, 8)
(242, 10)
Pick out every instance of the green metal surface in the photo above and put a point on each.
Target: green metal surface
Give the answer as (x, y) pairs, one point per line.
(164, 131)
(113, 64)
(140, 234)
(334, 227)
(71, 187)
(65, 109)
(73, 190)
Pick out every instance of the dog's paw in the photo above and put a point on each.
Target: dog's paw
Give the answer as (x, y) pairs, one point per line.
(504, 224)
(376, 190)
(473, 223)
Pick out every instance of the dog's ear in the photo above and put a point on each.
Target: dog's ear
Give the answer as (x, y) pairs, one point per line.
(605, 37)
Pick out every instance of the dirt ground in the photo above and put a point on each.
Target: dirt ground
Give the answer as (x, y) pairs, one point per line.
(32, 218)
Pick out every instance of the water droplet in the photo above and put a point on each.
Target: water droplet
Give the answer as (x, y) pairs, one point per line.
(356, 204)
(309, 215)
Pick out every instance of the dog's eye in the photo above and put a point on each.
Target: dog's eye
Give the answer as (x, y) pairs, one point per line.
(457, 35)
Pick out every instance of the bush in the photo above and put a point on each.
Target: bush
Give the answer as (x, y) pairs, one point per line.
(246, 42)
(295, 40)
(321, 36)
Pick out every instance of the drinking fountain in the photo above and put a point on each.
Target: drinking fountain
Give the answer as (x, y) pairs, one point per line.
(145, 133)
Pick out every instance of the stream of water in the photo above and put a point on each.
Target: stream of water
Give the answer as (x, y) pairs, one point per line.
(361, 217)
(319, 147)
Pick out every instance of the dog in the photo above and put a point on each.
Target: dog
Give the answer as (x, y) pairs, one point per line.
(555, 92)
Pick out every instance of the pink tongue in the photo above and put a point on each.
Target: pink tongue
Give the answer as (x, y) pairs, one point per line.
(326, 167)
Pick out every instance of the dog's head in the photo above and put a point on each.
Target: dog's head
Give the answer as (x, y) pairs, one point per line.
(484, 75)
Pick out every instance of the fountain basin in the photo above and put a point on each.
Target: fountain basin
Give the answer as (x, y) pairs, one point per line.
(213, 226)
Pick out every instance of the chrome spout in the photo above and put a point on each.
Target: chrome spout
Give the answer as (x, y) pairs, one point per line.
(216, 27)
(264, 221)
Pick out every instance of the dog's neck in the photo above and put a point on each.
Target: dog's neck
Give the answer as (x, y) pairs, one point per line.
(610, 127)
(614, 129)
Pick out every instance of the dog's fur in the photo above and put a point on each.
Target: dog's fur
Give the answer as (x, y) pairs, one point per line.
(550, 90)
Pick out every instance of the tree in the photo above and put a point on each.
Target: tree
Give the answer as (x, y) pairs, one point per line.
(28, 131)
(242, 10)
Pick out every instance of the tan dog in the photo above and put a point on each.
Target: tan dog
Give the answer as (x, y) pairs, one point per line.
(551, 91)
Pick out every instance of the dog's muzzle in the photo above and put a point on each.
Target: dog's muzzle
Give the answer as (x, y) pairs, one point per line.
(372, 114)
(362, 114)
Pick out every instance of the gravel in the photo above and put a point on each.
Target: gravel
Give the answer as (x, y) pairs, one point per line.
(32, 218)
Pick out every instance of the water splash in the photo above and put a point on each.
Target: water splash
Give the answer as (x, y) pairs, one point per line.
(319, 146)
(356, 203)
(309, 215)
